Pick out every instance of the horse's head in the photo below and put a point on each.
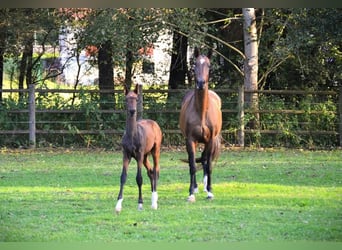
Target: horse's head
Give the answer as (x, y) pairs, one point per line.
(201, 69)
(131, 100)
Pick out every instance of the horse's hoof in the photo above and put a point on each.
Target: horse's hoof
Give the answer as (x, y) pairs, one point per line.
(118, 206)
(140, 206)
(154, 200)
(210, 196)
(191, 198)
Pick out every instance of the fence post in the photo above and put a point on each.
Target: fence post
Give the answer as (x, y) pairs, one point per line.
(340, 114)
(140, 106)
(32, 116)
(241, 115)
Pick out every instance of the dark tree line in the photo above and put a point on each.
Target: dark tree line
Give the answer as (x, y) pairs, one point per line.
(298, 48)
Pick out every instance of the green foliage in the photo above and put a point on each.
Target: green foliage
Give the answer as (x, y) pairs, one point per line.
(306, 43)
(298, 49)
(294, 118)
(295, 128)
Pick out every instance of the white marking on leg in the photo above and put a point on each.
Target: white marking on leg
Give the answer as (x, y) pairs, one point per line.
(205, 183)
(196, 190)
(118, 206)
(140, 206)
(210, 195)
(191, 198)
(154, 200)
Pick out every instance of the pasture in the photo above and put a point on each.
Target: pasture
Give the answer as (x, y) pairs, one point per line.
(260, 196)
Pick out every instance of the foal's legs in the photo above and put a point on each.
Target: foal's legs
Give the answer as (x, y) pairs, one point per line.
(126, 160)
(139, 180)
(155, 156)
(153, 179)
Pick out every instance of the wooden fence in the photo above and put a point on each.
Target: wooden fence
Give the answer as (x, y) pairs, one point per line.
(233, 111)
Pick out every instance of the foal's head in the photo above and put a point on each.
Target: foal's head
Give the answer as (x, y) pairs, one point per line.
(201, 69)
(131, 100)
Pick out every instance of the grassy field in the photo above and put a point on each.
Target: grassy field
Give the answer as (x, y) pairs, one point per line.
(263, 196)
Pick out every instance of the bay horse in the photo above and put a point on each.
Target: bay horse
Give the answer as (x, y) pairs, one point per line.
(200, 121)
(141, 138)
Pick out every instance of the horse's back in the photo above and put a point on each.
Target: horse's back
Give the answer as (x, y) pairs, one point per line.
(214, 111)
(152, 133)
(215, 99)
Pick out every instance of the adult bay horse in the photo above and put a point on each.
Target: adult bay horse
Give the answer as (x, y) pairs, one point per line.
(200, 122)
(141, 138)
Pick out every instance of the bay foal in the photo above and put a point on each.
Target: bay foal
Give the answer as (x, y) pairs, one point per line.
(141, 138)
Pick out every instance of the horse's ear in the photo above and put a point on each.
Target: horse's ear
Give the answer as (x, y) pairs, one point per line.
(210, 53)
(196, 52)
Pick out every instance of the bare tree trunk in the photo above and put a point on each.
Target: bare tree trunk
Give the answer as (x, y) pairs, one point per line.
(3, 35)
(77, 79)
(178, 67)
(129, 67)
(2, 51)
(22, 71)
(29, 51)
(251, 64)
(106, 75)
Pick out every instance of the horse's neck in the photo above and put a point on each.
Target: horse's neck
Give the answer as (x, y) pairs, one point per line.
(131, 126)
(201, 102)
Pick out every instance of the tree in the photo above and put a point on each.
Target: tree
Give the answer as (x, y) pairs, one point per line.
(178, 66)
(3, 35)
(106, 74)
(251, 63)
(184, 25)
(20, 27)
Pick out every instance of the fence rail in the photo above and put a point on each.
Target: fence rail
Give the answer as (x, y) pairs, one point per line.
(31, 112)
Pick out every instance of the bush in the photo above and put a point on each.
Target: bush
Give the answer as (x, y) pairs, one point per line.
(295, 129)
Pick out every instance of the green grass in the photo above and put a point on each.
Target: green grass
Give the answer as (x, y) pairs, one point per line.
(270, 195)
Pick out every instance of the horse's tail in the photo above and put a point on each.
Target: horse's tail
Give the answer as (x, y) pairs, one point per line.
(216, 147)
(215, 151)
(197, 160)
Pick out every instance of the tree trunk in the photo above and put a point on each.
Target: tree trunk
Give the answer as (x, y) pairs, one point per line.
(251, 64)
(29, 51)
(2, 51)
(106, 75)
(178, 67)
(22, 72)
(3, 35)
(129, 66)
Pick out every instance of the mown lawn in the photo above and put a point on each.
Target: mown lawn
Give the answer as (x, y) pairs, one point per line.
(270, 195)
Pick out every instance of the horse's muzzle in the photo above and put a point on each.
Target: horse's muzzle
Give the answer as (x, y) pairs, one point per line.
(200, 84)
(132, 112)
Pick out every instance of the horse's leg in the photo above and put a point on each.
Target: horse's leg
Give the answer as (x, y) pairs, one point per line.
(191, 149)
(153, 180)
(139, 180)
(126, 160)
(155, 156)
(207, 168)
(205, 172)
